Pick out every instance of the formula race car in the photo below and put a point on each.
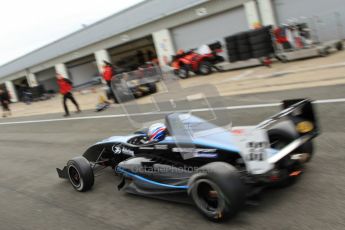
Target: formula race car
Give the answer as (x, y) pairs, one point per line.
(198, 162)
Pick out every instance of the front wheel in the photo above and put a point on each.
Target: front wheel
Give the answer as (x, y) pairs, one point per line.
(183, 72)
(152, 87)
(80, 174)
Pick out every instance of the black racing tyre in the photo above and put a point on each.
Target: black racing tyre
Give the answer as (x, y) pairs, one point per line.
(262, 46)
(279, 138)
(242, 36)
(263, 30)
(231, 45)
(287, 132)
(233, 58)
(261, 38)
(232, 51)
(80, 174)
(230, 39)
(245, 56)
(339, 46)
(152, 87)
(244, 49)
(205, 68)
(217, 191)
(183, 72)
(243, 42)
(261, 53)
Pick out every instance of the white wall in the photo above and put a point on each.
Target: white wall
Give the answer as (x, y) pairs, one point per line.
(101, 56)
(267, 12)
(252, 14)
(62, 69)
(11, 90)
(164, 46)
(83, 73)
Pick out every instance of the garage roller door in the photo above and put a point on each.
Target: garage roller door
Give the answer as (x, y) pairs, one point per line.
(210, 29)
(84, 73)
(82, 70)
(47, 78)
(326, 18)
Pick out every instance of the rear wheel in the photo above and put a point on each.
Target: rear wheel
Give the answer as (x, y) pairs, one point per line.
(80, 174)
(278, 140)
(217, 191)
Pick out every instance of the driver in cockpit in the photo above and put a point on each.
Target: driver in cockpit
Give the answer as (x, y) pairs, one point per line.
(156, 133)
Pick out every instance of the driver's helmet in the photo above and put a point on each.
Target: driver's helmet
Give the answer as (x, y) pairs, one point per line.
(157, 132)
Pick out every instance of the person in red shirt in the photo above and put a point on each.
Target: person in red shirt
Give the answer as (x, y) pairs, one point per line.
(107, 76)
(66, 87)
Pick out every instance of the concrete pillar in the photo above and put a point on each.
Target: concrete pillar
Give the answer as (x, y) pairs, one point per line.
(252, 14)
(101, 56)
(11, 90)
(164, 47)
(62, 69)
(267, 12)
(31, 78)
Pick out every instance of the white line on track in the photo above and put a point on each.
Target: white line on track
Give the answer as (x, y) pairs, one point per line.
(325, 101)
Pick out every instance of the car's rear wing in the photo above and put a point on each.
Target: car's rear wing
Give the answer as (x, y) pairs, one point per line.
(301, 113)
(297, 110)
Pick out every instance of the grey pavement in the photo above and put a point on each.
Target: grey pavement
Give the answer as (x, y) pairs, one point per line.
(33, 197)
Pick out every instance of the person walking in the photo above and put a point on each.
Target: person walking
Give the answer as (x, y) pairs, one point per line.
(5, 102)
(66, 87)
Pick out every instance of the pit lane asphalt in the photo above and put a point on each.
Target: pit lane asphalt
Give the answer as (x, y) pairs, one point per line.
(33, 197)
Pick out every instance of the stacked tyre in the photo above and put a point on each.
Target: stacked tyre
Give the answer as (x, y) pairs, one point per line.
(239, 47)
(261, 42)
(243, 46)
(231, 47)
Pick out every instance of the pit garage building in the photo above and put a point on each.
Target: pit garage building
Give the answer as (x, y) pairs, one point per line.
(156, 28)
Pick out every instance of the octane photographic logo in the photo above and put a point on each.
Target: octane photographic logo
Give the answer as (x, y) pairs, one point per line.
(172, 97)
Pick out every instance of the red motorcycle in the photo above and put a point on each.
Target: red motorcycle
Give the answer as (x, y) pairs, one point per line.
(200, 62)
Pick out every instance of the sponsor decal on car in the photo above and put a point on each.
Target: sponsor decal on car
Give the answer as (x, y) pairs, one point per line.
(146, 148)
(117, 149)
(194, 152)
(127, 151)
(161, 147)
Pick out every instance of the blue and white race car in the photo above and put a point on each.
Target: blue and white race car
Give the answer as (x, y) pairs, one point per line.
(215, 168)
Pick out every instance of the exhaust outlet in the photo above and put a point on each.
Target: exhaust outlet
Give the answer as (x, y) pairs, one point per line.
(301, 157)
